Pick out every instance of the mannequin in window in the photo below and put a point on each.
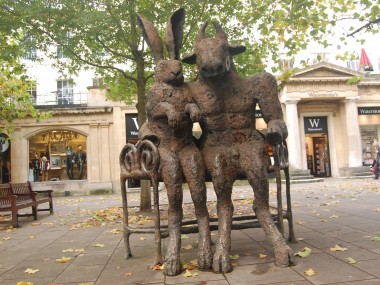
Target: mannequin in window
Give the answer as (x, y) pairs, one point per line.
(36, 166)
(45, 166)
(81, 159)
(70, 160)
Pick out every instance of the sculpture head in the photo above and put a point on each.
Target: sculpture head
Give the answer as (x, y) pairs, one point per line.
(167, 70)
(213, 55)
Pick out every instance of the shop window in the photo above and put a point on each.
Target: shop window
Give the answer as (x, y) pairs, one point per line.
(353, 64)
(65, 153)
(32, 90)
(369, 143)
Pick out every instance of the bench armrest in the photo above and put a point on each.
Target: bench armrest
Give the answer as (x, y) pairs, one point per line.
(11, 197)
(49, 192)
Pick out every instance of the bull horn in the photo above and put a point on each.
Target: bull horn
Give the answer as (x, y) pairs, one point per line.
(201, 33)
(219, 31)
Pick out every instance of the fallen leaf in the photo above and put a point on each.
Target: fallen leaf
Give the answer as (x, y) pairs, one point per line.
(31, 271)
(300, 222)
(115, 231)
(184, 236)
(99, 245)
(303, 253)
(158, 267)
(310, 272)
(30, 237)
(338, 248)
(351, 260)
(24, 283)
(189, 246)
(128, 274)
(263, 256)
(234, 257)
(36, 224)
(6, 238)
(68, 250)
(189, 274)
(375, 239)
(142, 238)
(80, 250)
(63, 259)
(334, 216)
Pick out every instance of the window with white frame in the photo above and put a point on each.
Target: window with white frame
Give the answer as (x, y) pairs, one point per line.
(353, 64)
(32, 90)
(30, 48)
(65, 92)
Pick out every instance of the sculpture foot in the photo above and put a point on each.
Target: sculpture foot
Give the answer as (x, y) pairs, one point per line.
(172, 266)
(205, 259)
(284, 256)
(221, 263)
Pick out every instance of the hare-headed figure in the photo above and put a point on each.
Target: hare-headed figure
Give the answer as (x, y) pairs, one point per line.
(171, 112)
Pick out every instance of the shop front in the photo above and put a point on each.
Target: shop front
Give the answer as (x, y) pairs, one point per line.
(333, 126)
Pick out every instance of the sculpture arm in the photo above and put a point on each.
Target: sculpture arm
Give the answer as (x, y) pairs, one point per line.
(164, 109)
(193, 110)
(270, 107)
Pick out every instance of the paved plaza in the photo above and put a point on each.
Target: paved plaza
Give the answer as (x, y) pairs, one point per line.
(337, 224)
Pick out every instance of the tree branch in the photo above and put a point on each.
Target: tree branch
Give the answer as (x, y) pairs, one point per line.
(366, 26)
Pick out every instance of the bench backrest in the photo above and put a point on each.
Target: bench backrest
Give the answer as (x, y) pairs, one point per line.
(5, 191)
(22, 188)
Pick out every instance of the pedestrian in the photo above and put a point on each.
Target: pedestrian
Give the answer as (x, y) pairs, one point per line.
(376, 164)
(36, 166)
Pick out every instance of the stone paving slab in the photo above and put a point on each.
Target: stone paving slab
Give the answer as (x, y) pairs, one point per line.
(329, 213)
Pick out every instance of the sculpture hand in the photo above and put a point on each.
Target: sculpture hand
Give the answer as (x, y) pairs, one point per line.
(174, 118)
(277, 132)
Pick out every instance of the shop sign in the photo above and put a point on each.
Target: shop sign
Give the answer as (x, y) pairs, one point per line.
(368, 110)
(132, 126)
(315, 125)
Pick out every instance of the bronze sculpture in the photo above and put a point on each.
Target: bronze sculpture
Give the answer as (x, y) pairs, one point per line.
(230, 144)
(171, 113)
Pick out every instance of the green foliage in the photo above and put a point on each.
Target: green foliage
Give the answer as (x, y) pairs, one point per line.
(354, 80)
(15, 101)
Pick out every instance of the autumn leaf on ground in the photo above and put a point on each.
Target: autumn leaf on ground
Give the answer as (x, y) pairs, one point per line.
(303, 253)
(375, 239)
(24, 283)
(351, 260)
(189, 246)
(115, 231)
(234, 257)
(141, 238)
(63, 259)
(338, 248)
(128, 274)
(189, 274)
(334, 216)
(31, 237)
(99, 245)
(80, 250)
(184, 236)
(36, 224)
(158, 267)
(68, 250)
(31, 271)
(263, 256)
(300, 222)
(310, 272)
(6, 238)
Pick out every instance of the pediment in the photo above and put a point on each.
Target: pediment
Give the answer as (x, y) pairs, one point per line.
(324, 71)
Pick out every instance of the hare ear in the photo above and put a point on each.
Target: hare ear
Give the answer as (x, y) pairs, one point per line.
(151, 37)
(174, 33)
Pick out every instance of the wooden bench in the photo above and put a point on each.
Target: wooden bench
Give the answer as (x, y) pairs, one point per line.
(16, 196)
(142, 161)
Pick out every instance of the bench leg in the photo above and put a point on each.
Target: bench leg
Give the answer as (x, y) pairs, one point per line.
(14, 219)
(51, 207)
(279, 200)
(157, 225)
(34, 211)
(289, 214)
(126, 232)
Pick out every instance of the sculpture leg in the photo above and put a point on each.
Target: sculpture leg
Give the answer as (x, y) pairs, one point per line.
(194, 171)
(222, 177)
(172, 177)
(258, 178)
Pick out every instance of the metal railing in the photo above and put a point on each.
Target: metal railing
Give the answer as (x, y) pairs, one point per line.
(60, 100)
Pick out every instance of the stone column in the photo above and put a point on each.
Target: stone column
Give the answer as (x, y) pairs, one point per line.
(105, 174)
(354, 143)
(93, 159)
(294, 141)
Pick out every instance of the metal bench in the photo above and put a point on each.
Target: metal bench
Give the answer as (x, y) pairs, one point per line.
(141, 161)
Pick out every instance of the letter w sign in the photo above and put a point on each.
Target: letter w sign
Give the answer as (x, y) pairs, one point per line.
(315, 125)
